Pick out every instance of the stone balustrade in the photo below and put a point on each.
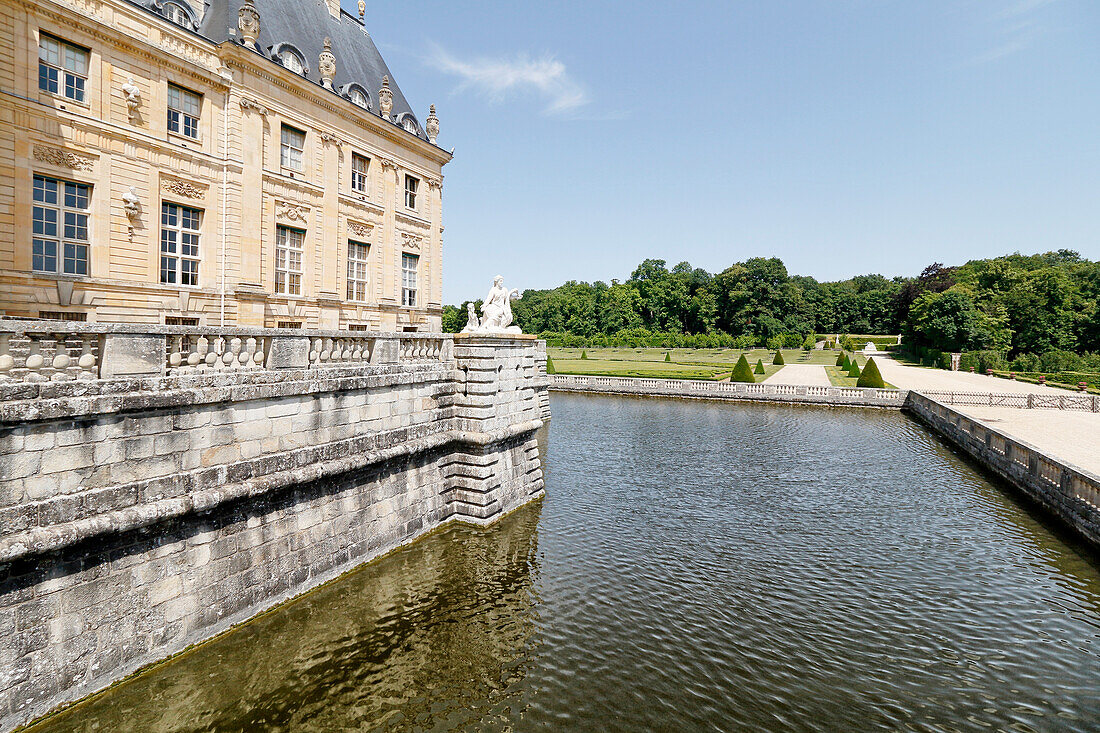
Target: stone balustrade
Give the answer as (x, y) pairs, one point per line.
(44, 351)
(854, 396)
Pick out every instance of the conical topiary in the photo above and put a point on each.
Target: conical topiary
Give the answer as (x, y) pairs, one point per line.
(742, 372)
(853, 370)
(840, 359)
(871, 377)
(847, 363)
(550, 366)
(760, 367)
(668, 358)
(778, 359)
(584, 354)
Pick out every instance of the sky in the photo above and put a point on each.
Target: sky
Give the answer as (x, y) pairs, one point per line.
(843, 136)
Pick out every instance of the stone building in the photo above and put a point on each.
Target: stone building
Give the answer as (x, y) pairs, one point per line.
(227, 162)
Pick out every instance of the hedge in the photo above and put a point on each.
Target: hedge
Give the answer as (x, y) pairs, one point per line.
(870, 377)
(742, 372)
(853, 370)
(840, 359)
(760, 367)
(550, 366)
(778, 358)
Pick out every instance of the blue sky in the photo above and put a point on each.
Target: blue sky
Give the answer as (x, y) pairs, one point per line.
(843, 136)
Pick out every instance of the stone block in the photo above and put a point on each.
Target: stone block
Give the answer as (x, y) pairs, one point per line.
(288, 352)
(126, 355)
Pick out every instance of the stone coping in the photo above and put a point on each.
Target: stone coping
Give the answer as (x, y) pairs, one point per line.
(22, 402)
(156, 329)
(201, 490)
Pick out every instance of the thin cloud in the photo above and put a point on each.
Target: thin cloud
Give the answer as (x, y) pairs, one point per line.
(498, 79)
(1016, 29)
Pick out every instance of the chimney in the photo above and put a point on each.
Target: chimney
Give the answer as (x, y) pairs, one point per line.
(333, 8)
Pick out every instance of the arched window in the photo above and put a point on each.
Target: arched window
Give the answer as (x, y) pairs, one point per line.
(290, 57)
(178, 13)
(357, 95)
(409, 122)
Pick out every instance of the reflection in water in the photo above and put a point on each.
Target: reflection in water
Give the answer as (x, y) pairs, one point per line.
(694, 566)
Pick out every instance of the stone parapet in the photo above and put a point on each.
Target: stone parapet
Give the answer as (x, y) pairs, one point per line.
(143, 513)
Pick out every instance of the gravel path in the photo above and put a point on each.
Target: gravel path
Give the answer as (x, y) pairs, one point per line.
(806, 374)
(910, 377)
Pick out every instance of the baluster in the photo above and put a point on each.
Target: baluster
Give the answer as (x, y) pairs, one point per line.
(86, 362)
(196, 353)
(7, 361)
(34, 361)
(326, 349)
(248, 353)
(210, 354)
(260, 353)
(175, 359)
(61, 358)
(229, 355)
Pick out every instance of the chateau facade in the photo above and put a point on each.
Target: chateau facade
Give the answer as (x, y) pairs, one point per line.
(227, 162)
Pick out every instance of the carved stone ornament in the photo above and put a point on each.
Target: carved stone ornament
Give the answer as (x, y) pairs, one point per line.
(358, 229)
(411, 241)
(131, 203)
(431, 125)
(183, 188)
(248, 22)
(291, 212)
(133, 98)
(253, 105)
(330, 137)
(362, 9)
(61, 158)
(326, 64)
(387, 163)
(433, 182)
(385, 98)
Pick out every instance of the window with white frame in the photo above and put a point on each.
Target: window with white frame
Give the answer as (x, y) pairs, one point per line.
(358, 258)
(292, 148)
(179, 244)
(59, 241)
(62, 68)
(412, 184)
(288, 260)
(184, 110)
(359, 98)
(408, 279)
(360, 166)
(291, 60)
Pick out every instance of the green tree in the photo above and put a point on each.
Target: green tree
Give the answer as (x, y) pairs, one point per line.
(853, 369)
(778, 358)
(760, 367)
(840, 359)
(550, 366)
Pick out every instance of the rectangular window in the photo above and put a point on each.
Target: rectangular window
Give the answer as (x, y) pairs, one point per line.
(288, 260)
(179, 244)
(180, 321)
(293, 147)
(411, 184)
(288, 324)
(184, 110)
(357, 270)
(60, 226)
(358, 326)
(63, 316)
(408, 279)
(360, 164)
(62, 68)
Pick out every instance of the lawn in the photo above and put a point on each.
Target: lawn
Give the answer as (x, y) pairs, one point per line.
(708, 364)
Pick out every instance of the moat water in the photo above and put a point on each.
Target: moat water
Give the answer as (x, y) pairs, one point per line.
(694, 566)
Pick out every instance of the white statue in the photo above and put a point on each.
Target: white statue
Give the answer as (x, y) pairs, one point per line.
(133, 97)
(472, 323)
(496, 310)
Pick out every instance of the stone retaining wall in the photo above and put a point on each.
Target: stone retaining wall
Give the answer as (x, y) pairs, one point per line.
(1069, 493)
(140, 515)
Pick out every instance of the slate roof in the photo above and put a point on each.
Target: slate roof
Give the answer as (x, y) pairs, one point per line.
(304, 24)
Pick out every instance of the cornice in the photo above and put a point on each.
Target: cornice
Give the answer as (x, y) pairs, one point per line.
(97, 28)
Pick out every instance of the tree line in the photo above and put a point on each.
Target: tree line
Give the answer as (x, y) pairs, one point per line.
(1012, 305)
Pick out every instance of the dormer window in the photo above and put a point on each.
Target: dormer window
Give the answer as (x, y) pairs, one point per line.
(409, 123)
(410, 126)
(357, 97)
(291, 61)
(290, 57)
(178, 14)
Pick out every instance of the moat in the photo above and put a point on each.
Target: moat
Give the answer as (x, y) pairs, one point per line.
(693, 566)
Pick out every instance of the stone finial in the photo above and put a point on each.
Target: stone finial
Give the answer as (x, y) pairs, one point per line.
(248, 22)
(362, 9)
(385, 98)
(326, 64)
(431, 125)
